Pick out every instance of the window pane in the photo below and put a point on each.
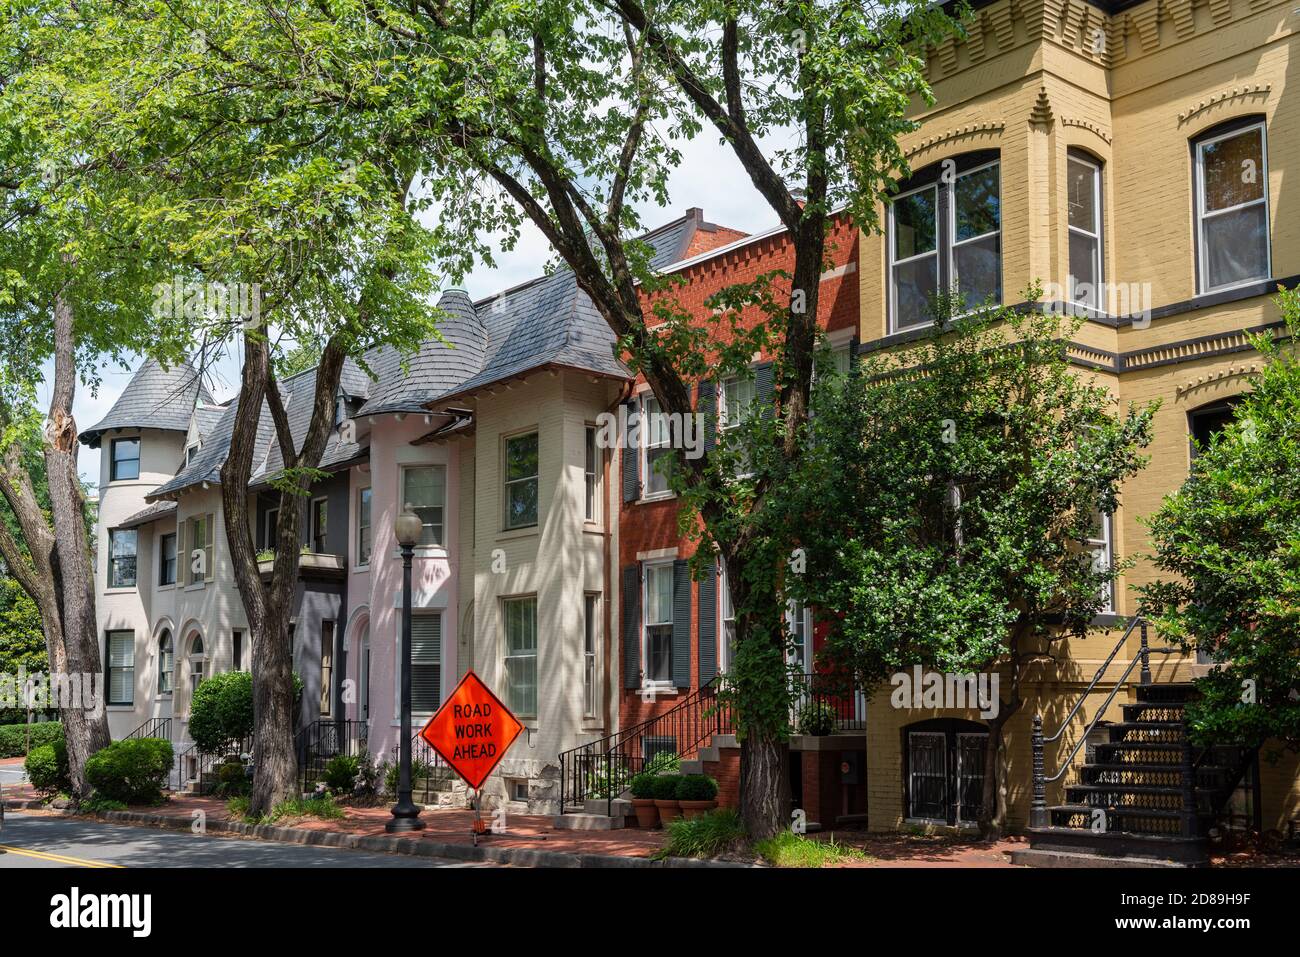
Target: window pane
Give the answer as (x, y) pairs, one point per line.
(521, 456)
(1083, 270)
(426, 662)
(126, 459)
(659, 646)
(521, 503)
(1236, 246)
(1081, 189)
(915, 224)
(363, 527)
(977, 207)
(521, 654)
(167, 560)
(659, 594)
(424, 490)
(978, 271)
(1233, 170)
(122, 558)
(915, 285)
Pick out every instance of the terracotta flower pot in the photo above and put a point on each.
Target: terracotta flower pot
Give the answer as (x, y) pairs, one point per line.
(694, 809)
(669, 811)
(647, 815)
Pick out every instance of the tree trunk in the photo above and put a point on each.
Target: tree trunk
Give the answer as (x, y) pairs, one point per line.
(993, 812)
(764, 785)
(85, 729)
(269, 605)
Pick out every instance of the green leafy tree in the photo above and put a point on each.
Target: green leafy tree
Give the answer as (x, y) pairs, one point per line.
(1230, 540)
(947, 502)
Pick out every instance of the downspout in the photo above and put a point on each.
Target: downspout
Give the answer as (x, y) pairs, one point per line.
(624, 394)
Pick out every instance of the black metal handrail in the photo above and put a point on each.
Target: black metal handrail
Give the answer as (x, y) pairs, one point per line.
(826, 697)
(429, 772)
(205, 760)
(604, 768)
(153, 728)
(1038, 816)
(325, 739)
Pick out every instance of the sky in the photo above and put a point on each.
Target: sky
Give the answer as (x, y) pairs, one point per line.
(709, 177)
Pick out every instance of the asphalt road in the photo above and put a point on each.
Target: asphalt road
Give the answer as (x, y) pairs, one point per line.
(37, 841)
(11, 774)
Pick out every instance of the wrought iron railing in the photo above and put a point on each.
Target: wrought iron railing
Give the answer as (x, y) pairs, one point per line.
(321, 741)
(153, 728)
(826, 702)
(193, 763)
(603, 769)
(429, 772)
(1038, 814)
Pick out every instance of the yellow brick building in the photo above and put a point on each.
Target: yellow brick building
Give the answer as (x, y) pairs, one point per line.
(1145, 145)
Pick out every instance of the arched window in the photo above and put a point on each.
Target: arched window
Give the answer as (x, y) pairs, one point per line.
(1209, 419)
(945, 233)
(944, 770)
(166, 662)
(198, 663)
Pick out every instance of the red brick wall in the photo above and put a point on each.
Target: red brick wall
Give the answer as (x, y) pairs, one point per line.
(653, 526)
(726, 771)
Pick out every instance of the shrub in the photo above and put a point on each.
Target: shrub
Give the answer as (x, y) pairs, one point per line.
(705, 836)
(341, 773)
(232, 780)
(221, 712)
(97, 804)
(419, 771)
(696, 787)
(643, 786)
(14, 737)
(665, 787)
(132, 771)
(817, 718)
(47, 769)
(665, 762)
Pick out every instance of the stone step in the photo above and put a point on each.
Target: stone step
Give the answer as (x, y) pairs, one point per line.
(1042, 857)
(619, 807)
(587, 822)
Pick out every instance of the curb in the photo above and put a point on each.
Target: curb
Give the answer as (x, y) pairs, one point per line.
(413, 847)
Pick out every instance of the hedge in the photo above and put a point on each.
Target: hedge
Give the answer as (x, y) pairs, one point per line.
(47, 769)
(13, 737)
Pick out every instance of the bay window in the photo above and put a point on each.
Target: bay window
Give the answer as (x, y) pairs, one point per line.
(1232, 208)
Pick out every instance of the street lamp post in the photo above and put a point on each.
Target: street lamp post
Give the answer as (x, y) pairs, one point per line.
(406, 816)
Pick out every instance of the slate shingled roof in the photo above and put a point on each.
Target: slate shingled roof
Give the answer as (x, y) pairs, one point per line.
(155, 398)
(546, 321)
(150, 514)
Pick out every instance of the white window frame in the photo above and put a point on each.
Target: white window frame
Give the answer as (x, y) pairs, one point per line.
(508, 654)
(590, 650)
(166, 663)
(644, 446)
(1202, 273)
(162, 558)
(402, 502)
(793, 626)
(726, 615)
(209, 546)
(954, 278)
(441, 663)
(198, 671)
(506, 481)
(666, 567)
(270, 518)
(1096, 235)
(892, 262)
(112, 560)
(1102, 548)
(113, 460)
(110, 668)
(592, 462)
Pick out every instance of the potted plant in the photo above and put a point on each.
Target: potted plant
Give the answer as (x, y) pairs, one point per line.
(817, 718)
(697, 794)
(643, 800)
(665, 795)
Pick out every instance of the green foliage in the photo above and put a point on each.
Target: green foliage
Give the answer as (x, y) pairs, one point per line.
(817, 718)
(1230, 537)
(341, 773)
(795, 850)
(232, 780)
(132, 771)
(97, 804)
(643, 786)
(946, 503)
(665, 787)
(696, 787)
(664, 762)
(708, 835)
(221, 713)
(22, 640)
(322, 807)
(47, 769)
(14, 737)
(419, 771)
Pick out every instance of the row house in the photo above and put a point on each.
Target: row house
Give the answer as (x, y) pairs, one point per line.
(488, 434)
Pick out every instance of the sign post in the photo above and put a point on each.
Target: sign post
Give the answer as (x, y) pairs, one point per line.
(472, 732)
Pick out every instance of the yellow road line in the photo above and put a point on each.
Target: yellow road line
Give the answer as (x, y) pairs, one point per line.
(56, 858)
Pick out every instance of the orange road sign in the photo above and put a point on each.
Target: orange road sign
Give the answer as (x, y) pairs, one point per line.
(472, 730)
